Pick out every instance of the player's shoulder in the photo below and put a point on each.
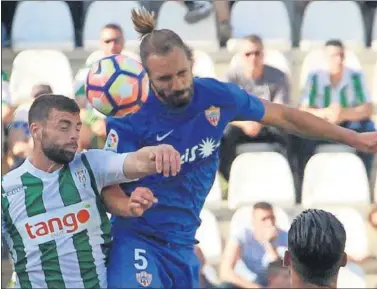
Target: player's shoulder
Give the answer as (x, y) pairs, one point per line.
(215, 91)
(13, 177)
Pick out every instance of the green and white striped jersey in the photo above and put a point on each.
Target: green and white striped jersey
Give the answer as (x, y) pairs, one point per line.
(350, 92)
(56, 224)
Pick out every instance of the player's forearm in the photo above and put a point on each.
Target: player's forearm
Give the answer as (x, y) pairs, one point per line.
(318, 112)
(306, 124)
(238, 281)
(135, 167)
(358, 113)
(116, 201)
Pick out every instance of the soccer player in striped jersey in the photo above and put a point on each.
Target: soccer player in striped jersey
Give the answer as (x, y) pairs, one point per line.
(52, 211)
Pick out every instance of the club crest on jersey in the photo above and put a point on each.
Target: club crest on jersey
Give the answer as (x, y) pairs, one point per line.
(144, 278)
(80, 174)
(213, 115)
(112, 141)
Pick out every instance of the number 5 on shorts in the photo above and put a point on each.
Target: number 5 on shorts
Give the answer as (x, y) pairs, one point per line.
(141, 262)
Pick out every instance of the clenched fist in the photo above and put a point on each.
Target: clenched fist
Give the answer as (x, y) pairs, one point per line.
(141, 199)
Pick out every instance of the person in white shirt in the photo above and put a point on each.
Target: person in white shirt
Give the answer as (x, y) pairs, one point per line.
(339, 95)
(52, 206)
(251, 249)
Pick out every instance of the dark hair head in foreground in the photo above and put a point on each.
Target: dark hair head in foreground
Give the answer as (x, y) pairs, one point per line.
(316, 243)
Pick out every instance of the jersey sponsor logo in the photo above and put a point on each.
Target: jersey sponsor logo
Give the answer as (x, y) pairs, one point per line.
(144, 278)
(161, 138)
(58, 223)
(204, 149)
(14, 191)
(213, 115)
(69, 223)
(112, 141)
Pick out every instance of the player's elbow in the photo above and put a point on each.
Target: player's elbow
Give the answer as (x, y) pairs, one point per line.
(115, 200)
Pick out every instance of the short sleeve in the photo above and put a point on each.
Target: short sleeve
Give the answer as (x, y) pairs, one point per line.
(238, 234)
(107, 167)
(361, 89)
(310, 91)
(121, 136)
(248, 107)
(283, 91)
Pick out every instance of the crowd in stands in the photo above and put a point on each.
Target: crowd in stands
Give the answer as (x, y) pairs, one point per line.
(253, 254)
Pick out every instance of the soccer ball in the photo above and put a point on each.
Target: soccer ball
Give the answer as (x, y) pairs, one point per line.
(117, 85)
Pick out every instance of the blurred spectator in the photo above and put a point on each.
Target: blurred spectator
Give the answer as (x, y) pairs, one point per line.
(6, 100)
(278, 276)
(250, 250)
(316, 242)
(40, 89)
(20, 144)
(370, 264)
(338, 95)
(204, 282)
(222, 9)
(264, 81)
(196, 10)
(112, 39)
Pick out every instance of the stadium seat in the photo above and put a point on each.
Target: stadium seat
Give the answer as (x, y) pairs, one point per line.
(272, 57)
(374, 32)
(254, 17)
(260, 176)
(101, 13)
(324, 20)
(203, 65)
(357, 238)
(209, 237)
(315, 60)
(98, 54)
(214, 197)
(31, 67)
(42, 24)
(244, 215)
(348, 278)
(335, 179)
(200, 36)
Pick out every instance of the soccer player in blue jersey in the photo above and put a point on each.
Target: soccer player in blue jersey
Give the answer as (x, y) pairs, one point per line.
(157, 249)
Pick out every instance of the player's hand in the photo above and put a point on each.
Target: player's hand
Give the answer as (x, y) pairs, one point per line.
(162, 159)
(252, 128)
(141, 199)
(334, 113)
(366, 142)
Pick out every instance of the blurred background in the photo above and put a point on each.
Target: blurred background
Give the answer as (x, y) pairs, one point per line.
(320, 56)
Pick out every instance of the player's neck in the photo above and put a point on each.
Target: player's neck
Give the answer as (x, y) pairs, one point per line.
(43, 163)
(297, 283)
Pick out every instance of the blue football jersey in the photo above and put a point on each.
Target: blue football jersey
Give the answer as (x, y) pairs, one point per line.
(194, 131)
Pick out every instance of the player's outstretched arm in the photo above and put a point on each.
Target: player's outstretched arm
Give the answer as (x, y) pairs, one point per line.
(151, 160)
(306, 124)
(119, 204)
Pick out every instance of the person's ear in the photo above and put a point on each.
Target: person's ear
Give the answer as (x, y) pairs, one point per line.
(287, 259)
(344, 260)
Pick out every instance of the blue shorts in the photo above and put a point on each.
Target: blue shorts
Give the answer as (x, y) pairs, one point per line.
(140, 262)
